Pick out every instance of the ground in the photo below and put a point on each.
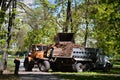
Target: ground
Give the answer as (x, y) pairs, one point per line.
(114, 74)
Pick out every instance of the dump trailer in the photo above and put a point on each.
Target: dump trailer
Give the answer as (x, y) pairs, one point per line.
(37, 56)
(65, 55)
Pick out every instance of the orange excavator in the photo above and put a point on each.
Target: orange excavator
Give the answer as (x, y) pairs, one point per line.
(37, 56)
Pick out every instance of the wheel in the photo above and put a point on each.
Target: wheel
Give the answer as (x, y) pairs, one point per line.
(44, 66)
(86, 67)
(78, 67)
(31, 65)
(107, 68)
(28, 65)
(1, 72)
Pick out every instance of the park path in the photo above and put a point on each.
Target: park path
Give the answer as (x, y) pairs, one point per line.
(35, 74)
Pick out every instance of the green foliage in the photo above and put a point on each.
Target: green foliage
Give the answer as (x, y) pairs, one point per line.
(107, 26)
(43, 36)
(41, 24)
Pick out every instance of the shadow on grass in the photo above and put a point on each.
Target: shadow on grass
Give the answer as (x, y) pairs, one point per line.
(9, 77)
(40, 76)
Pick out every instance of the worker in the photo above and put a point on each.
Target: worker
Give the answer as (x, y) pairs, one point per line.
(17, 64)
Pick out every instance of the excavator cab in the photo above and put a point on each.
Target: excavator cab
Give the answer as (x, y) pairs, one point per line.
(39, 47)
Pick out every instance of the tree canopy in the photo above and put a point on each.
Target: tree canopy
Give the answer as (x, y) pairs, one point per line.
(94, 22)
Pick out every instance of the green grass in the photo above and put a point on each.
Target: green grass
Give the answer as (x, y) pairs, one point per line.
(10, 65)
(88, 77)
(93, 75)
(0, 57)
(116, 64)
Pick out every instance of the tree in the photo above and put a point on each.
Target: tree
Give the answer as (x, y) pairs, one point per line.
(4, 5)
(107, 25)
(9, 5)
(42, 23)
(68, 16)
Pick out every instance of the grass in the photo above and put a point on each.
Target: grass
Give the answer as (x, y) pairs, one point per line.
(0, 57)
(94, 75)
(88, 77)
(10, 65)
(116, 64)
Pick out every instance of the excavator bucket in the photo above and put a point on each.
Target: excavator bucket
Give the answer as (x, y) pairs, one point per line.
(64, 38)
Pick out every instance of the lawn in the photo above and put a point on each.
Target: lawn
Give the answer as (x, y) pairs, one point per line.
(114, 74)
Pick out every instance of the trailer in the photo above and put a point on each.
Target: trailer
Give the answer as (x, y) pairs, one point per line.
(65, 55)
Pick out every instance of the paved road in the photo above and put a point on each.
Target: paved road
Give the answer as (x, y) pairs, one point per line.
(35, 74)
(38, 76)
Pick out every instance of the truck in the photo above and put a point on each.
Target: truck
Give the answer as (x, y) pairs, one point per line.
(65, 55)
(37, 56)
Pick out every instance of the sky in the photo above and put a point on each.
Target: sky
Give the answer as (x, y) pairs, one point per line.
(51, 1)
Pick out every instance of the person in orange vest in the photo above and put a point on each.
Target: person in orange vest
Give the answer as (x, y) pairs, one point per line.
(17, 64)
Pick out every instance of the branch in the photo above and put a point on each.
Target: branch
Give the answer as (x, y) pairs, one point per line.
(5, 6)
(59, 24)
(8, 4)
(1, 2)
(23, 6)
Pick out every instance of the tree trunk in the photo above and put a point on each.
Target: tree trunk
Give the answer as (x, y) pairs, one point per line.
(69, 17)
(10, 24)
(4, 4)
(86, 18)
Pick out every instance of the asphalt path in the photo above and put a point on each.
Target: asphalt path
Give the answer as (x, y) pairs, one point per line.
(35, 74)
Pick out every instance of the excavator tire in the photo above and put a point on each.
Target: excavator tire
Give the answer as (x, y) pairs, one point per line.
(28, 65)
(44, 66)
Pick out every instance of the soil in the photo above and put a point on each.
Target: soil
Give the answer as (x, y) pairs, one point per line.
(67, 48)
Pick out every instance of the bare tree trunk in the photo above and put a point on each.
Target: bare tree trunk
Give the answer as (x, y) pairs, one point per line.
(86, 29)
(69, 17)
